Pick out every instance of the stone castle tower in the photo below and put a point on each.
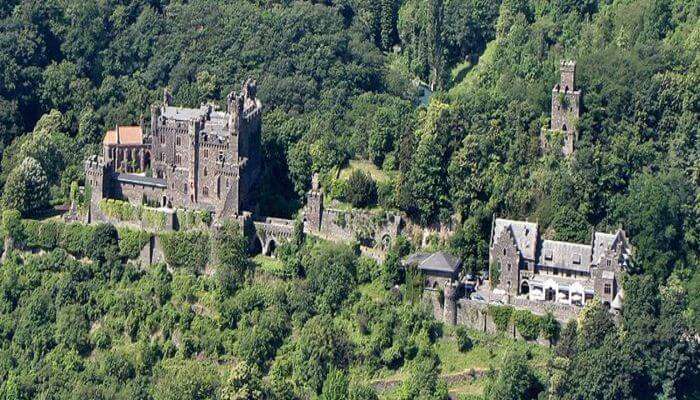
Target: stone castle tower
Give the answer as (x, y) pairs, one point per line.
(566, 110)
(314, 205)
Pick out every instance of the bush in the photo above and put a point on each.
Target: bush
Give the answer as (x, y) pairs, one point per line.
(367, 270)
(12, 225)
(186, 250)
(464, 342)
(501, 316)
(104, 243)
(75, 237)
(132, 241)
(550, 327)
(361, 191)
(527, 323)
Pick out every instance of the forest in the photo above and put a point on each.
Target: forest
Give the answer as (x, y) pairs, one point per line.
(344, 83)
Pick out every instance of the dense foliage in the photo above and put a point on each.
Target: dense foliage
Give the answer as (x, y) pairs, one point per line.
(336, 79)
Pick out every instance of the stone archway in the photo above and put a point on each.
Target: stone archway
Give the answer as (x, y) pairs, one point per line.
(256, 247)
(524, 288)
(270, 248)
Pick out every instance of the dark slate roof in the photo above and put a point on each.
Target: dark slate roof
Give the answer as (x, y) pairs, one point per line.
(441, 262)
(141, 180)
(571, 256)
(525, 234)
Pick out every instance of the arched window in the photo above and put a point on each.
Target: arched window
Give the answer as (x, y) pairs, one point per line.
(504, 251)
(205, 171)
(563, 128)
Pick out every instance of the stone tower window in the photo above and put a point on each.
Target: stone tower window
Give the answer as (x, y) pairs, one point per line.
(205, 153)
(205, 171)
(607, 289)
(205, 191)
(504, 251)
(162, 138)
(178, 141)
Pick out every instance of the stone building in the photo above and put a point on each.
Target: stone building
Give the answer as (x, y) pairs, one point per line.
(523, 265)
(194, 158)
(566, 110)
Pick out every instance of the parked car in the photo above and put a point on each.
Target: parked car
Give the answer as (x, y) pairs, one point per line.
(478, 297)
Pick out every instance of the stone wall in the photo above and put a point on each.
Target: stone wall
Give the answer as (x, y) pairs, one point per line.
(374, 230)
(474, 315)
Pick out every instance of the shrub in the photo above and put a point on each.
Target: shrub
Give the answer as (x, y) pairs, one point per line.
(75, 237)
(367, 270)
(132, 241)
(361, 191)
(186, 250)
(104, 243)
(527, 323)
(464, 342)
(501, 316)
(550, 327)
(12, 225)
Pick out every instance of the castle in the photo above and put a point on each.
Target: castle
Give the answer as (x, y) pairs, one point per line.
(566, 109)
(522, 264)
(194, 158)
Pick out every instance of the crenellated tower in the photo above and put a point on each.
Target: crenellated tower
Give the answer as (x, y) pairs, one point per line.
(314, 205)
(565, 113)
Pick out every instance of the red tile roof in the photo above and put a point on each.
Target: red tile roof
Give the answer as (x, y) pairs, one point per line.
(127, 135)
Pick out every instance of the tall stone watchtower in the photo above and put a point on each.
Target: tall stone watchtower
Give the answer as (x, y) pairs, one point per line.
(97, 179)
(314, 205)
(566, 101)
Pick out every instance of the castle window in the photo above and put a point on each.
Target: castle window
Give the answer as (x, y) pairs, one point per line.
(205, 171)
(509, 266)
(228, 184)
(205, 153)
(504, 251)
(608, 263)
(205, 191)
(221, 156)
(607, 289)
(184, 188)
(577, 259)
(178, 141)
(162, 157)
(178, 159)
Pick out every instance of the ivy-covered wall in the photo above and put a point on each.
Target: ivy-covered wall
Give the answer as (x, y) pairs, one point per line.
(189, 250)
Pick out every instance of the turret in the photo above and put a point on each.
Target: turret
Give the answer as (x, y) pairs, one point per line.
(314, 206)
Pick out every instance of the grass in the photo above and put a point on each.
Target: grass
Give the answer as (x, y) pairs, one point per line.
(268, 264)
(366, 166)
(487, 353)
(463, 81)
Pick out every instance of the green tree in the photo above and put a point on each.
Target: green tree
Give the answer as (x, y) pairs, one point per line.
(243, 383)
(361, 190)
(26, 189)
(335, 387)
(514, 381)
(231, 252)
(320, 348)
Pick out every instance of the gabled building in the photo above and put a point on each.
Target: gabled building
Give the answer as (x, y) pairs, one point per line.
(523, 264)
(194, 158)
